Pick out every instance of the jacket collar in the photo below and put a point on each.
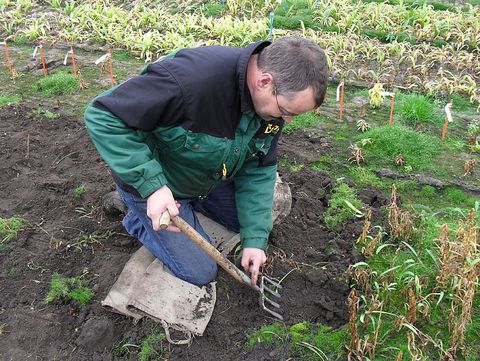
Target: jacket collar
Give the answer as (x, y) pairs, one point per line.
(246, 104)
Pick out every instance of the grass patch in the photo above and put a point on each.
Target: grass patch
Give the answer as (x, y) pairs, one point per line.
(419, 150)
(292, 166)
(459, 197)
(69, 288)
(339, 209)
(152, 347)
(9, 227)
(306, 341)
(415, 108)
(9, 99)
(58, 84)
(306, 120)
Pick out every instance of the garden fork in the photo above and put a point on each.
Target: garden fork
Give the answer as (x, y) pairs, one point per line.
(268, 288)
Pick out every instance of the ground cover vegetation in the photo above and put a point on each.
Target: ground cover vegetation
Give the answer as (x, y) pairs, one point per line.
(413, 286)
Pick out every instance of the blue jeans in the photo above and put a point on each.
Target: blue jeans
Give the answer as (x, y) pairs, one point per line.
(183, 257)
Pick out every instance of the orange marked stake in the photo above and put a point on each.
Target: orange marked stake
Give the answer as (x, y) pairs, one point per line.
(448, 118)
(43, 60)
(340, 96)
(390, 121)
(73, 62)
(389, 94)
(112, 80)
(9, 63)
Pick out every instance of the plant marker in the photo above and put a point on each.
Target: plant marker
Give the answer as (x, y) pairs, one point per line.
(448, 118)
(73, 61)
(112, 80)
(43, 60)
(270, 36)
(340, 96)
(9, 63)
(389, 94)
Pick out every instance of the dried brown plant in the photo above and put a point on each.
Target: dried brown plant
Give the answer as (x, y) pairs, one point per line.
(415, 352)
(357, 154)
(412, 306)
(401, 222)
(354, 349)
(465, 253)
(366, 227)
(468, 167)
(393, 212)
(400, 159)
(370, 247)
(361, 276)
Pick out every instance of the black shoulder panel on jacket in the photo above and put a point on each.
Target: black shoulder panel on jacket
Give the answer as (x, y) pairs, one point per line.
(209, 82)
(146, 101)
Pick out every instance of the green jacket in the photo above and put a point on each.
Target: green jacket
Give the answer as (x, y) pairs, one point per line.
(188, 122)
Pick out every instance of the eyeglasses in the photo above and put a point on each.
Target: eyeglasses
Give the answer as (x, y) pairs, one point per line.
(283, 112)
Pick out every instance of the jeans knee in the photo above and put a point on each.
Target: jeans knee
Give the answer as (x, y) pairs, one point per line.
(204, 274)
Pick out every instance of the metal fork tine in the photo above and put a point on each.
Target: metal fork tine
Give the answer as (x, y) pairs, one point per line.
(267, 284)
(273, 303)
(272, 292)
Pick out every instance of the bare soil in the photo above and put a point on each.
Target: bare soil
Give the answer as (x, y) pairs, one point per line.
(44, 160)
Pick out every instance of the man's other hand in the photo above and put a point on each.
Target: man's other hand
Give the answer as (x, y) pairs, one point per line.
(159, 201)
(252, 260)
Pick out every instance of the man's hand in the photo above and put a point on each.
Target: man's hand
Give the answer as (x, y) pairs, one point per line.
(159, 201)
(252, 260)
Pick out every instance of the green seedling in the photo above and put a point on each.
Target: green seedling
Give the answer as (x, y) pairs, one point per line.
(9, 227)
(79, 191)
(44, 113)
(69, 288)
(275, 333)
(58, 84)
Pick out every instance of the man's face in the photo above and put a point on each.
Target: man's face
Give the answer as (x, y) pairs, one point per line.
(269, 105)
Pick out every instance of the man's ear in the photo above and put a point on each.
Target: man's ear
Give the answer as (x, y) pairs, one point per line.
(264, 80)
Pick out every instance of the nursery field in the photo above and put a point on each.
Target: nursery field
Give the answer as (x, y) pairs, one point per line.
(379, 256)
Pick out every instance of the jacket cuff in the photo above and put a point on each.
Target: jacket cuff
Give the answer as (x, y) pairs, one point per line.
(255, 243)
(151, 185)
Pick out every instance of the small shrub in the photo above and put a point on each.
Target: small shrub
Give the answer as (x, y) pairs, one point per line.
(416, 108)
(338, 209)
(58, 84)
(68, 289)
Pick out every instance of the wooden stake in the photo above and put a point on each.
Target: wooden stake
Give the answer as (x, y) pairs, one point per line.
(43, 60)
(9, 63)
(390, 121)
(112, 80)
(73, 62)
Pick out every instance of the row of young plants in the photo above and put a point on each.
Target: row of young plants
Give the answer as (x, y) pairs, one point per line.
(414, 295)
(152, 32)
